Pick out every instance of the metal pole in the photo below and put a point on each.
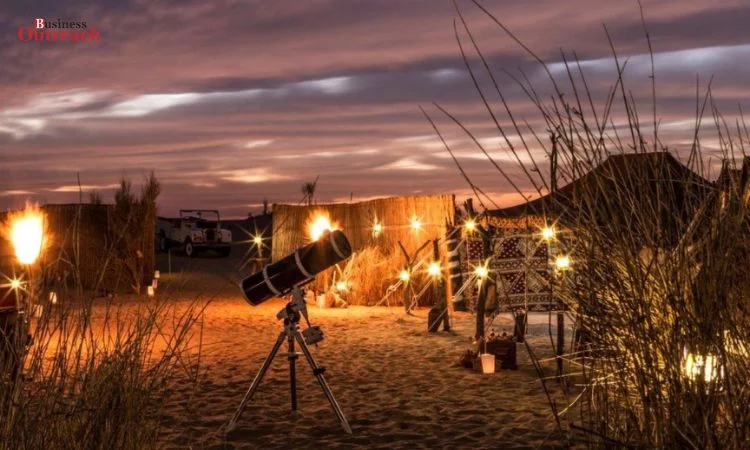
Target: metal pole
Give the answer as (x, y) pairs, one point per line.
(319, 375)
(292, 356)
(256, 382)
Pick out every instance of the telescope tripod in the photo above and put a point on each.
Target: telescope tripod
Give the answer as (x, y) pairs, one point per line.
(291, 333)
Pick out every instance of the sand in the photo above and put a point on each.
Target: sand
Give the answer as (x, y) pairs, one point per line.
(397, 384)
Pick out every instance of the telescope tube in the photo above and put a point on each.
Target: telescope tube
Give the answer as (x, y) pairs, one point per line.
(299, 267)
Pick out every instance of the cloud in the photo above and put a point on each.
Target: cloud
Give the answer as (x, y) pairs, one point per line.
(218, 95)
(408, 164)
(84, 187)
(250, 176)
(258, 143)
(12, 192)
(691, 60)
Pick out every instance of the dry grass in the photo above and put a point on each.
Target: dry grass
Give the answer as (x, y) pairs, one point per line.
(96, 386)
(96, 373)
(370, 273)
(662, 274)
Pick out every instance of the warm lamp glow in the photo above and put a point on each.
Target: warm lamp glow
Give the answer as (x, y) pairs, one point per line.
(320, 225)
(416, 224)
(470, 225)
(377, 228)
(404, 275)
(481, 272)
(434, 269)
(488, 363)
(258, 241)
(342, 286)
(548, 233)
(26, 234)
(695, 365)
(15, 284)
(562, 262)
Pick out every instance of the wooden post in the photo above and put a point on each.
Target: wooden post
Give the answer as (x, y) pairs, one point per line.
(560, 313)
(407, 289)
(410, 259)
(439, 312)
(406, 283)
(483, 286)
(454, 267)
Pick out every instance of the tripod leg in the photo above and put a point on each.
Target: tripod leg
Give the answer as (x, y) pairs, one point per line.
(261, 373)
(292, 356)
(318, 372)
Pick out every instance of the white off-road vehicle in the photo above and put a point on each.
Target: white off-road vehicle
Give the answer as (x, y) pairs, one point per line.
(194, 232)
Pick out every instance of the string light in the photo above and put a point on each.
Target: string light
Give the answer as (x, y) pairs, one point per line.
(434, 269)
(548, 233)
(481, 272)
(15, 284)
(342, 286)
(377, 228)
(258, 241)
(470, 225)
(404, 275)
(416, 224)
(562, 262)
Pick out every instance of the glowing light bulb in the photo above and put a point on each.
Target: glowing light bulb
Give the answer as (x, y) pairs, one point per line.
(562, 262)
(481, 272)
(434, 269)
(258, 241)
(404, 275)
(377, 228)
(416, 224)
(15, 284)
(470, 225)
(342, 286)
(548, 233)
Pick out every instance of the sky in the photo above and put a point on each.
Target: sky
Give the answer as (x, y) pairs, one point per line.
(234, 101)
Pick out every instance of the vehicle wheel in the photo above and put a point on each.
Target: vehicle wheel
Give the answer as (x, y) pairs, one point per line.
(189, 249)
(225, 251)
(163, 244)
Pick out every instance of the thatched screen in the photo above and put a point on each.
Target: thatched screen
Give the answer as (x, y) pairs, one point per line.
(356, 220)
(86, 248)
(378, 259)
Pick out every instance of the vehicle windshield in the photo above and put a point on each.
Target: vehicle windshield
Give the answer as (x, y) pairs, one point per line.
(202, 224)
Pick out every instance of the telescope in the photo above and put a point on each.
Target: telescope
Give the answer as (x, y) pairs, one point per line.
(296, 269)
(283, 277)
